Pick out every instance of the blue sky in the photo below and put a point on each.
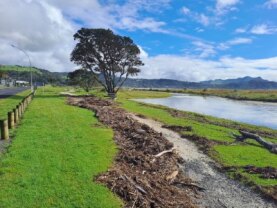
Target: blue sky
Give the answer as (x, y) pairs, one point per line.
(179, 39)
(189, 23)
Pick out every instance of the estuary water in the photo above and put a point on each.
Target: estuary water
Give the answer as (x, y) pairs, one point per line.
(251, 112)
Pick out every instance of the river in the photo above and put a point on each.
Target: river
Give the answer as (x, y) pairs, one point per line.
(251, 112)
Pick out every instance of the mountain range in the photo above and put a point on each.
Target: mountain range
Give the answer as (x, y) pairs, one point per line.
(238, 83)
(45, 76)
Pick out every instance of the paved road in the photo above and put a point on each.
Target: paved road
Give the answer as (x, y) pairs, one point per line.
(7, 92)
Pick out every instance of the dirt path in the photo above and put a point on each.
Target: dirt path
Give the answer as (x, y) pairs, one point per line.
(220, 191)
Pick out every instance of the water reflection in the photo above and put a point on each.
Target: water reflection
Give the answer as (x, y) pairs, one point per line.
(258, 113)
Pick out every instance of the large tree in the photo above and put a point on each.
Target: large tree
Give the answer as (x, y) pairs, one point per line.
(112, 58)
(83, 78)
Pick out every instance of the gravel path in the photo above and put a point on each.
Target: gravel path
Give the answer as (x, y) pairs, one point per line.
(220, 191)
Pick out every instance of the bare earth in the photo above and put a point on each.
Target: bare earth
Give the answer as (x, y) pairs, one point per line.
(220, 191)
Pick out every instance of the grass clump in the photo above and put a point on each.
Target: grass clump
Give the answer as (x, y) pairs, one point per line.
(54, 157)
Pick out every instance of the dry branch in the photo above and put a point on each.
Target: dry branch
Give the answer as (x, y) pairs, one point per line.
(164, 152)
(247, 135)
(139, 188)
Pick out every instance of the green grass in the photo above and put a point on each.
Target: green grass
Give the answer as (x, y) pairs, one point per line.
(214, 129)
(8, 68)
(8, 104)
(57, 151)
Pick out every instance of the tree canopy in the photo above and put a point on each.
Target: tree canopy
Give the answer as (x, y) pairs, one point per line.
(83, 78)
(113, 57)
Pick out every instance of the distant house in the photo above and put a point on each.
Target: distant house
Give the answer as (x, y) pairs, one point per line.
(21, 83)
(7, 82)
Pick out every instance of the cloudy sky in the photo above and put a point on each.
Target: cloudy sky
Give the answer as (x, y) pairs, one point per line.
(191, 40)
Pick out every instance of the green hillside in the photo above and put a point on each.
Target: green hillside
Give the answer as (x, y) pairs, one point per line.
(16, 68)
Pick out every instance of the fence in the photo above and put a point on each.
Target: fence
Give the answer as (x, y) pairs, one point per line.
(14, 116)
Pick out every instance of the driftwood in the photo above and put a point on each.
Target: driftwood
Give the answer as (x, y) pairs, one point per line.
(164, 152)
(247, 135)
(139, 188)
(172, 176)
(190, 185)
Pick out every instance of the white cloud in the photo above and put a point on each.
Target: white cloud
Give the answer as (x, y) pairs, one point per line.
(196, 69)
(235, 41)
(205, 49)
(41, 32)
(185, 10)
(271, 4)
(226, 3)
(45, 28)
(209, 49)
(146, 24)
(238, 41)
(224, 6)
(241, 30)
(143, 53)
(215, 15)
(203, 19)
(263, 29)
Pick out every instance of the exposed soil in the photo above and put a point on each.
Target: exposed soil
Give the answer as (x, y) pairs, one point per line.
(217, 189)
(142, 175)
(178, 128)
(266, 172)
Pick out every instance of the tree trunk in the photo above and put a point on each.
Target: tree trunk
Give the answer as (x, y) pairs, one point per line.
(247, 135)
(112, 95)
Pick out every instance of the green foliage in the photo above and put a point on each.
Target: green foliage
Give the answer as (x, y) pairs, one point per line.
(83, 78)
(112, 56)
(39, 75)
(55, 156)
(12, 68)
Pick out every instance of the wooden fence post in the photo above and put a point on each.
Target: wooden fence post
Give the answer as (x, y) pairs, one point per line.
(4, 129)
(15, 115)
(23, 105)
(18, 111)
(11, 119)
(21, 108)
(26, 102)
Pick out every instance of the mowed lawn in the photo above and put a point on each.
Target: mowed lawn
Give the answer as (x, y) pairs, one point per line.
(8, 104)
(56, 153)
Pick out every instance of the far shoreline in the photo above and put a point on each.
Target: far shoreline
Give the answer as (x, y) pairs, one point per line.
(259, 95)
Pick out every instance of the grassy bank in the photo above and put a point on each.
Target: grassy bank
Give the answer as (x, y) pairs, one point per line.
(255, 95)
(9, 103)
(217, 134)
(56, 152)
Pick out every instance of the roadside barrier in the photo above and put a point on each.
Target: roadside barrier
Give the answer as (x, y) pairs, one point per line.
(14, 116)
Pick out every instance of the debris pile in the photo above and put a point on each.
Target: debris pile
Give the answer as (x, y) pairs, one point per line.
(266, 172)
(178, 129)
(146, 172)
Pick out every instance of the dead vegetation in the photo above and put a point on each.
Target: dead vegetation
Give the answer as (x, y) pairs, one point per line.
(145, 172)
(265, 172)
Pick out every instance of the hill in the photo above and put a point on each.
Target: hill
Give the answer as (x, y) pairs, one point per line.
(239, 83)
(39, 75)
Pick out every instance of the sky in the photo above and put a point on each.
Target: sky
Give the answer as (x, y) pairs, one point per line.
(189, 40)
